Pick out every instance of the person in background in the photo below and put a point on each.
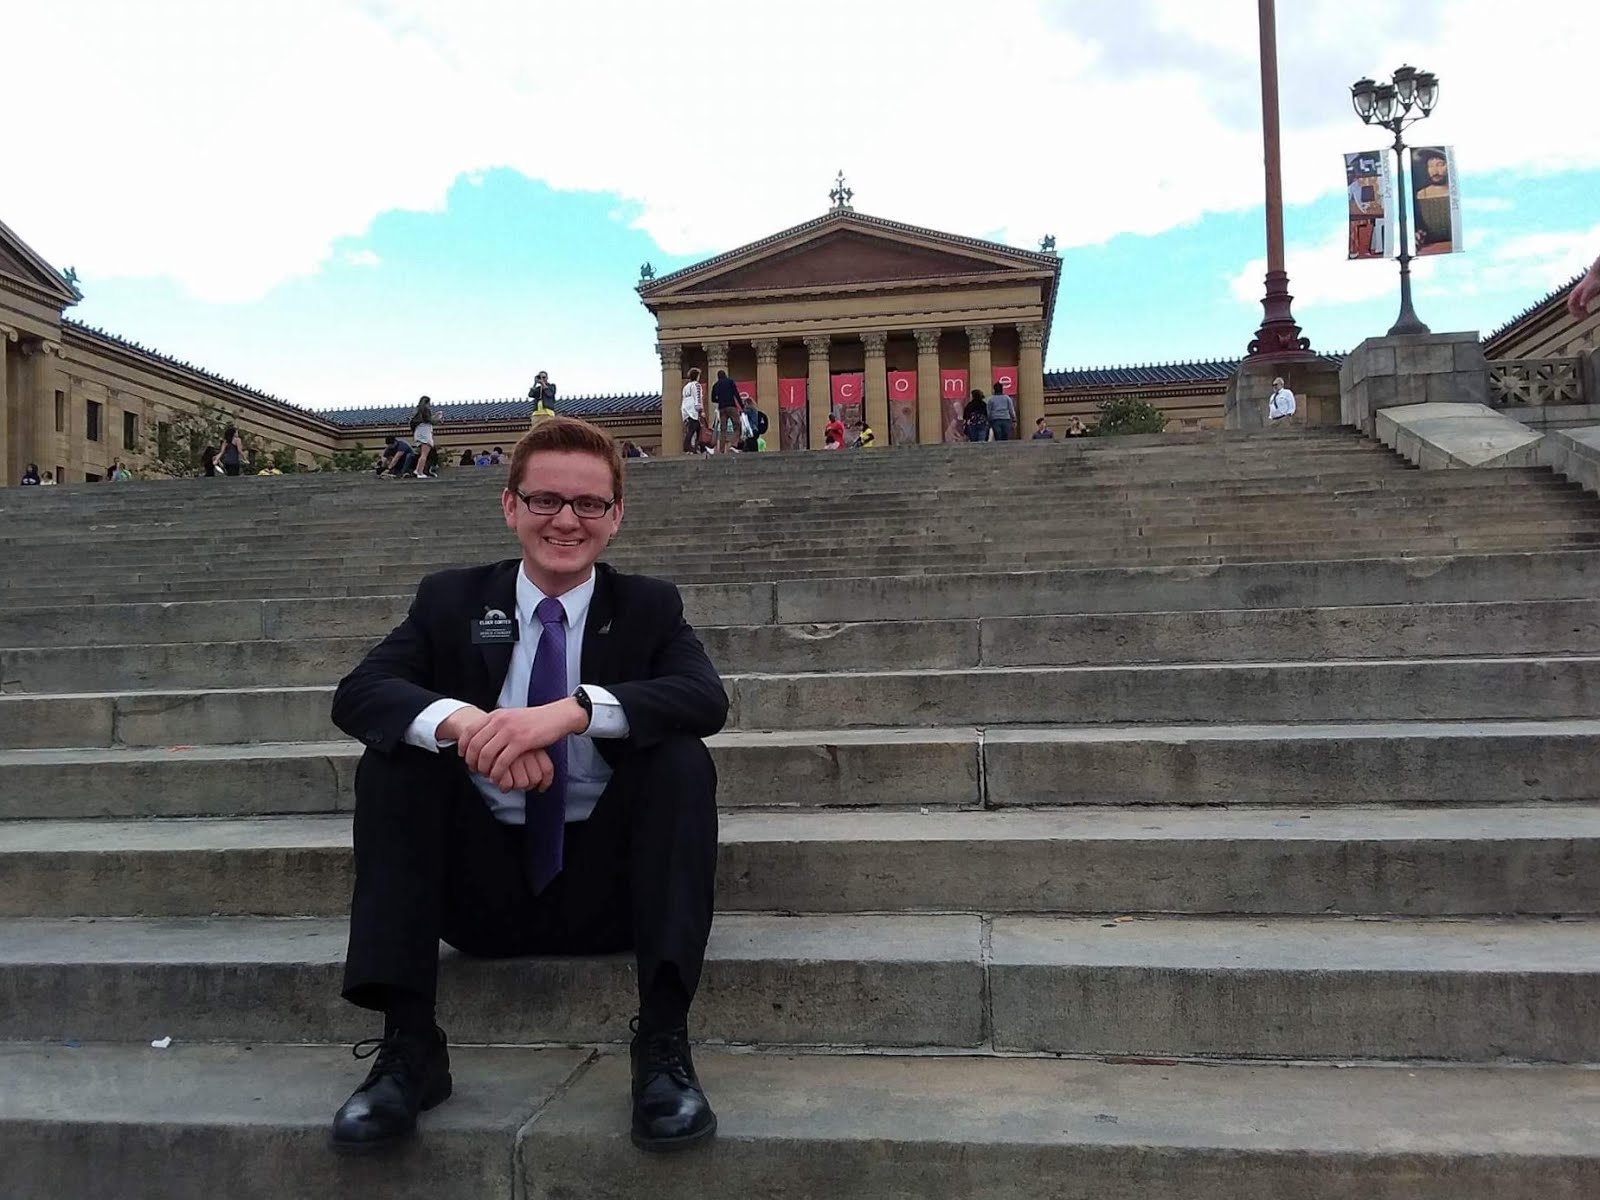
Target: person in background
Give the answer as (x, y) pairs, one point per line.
(1002, 414)
(753, 423)
(208, 462)
(1076, 428)
(496, 456)
(866, 439)
(831, 439)
(468, 458)
(49, 479)
(725, 395)
(629, 450)
(483, 459)
(975, 418)
(1280, 406)
(232, 455)
(30, 476)
(691, 408)
(542, 393)
(393, 458)
(422, 433)
(834, 429)
(1042, 431)
(1585, 292)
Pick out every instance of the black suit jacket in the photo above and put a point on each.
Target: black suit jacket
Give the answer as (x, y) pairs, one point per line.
(636, 644)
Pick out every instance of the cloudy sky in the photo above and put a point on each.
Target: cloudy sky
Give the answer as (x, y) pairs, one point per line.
(351, 201)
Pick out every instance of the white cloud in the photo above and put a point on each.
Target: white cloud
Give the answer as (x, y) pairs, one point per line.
(362, 258)
(230, 146)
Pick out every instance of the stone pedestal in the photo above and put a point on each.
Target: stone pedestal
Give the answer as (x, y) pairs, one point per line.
(1429, 368)
(1314, 382)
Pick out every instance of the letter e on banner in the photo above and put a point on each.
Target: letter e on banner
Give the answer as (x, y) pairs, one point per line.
(747, 389)
(1006, 377)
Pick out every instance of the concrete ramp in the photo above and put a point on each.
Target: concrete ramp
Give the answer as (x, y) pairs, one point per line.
(1437, 436)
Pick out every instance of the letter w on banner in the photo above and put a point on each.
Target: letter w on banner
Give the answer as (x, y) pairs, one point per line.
(1436, 200)
(1370, 184)
(794, 433)
(847, 400)
(902, 408)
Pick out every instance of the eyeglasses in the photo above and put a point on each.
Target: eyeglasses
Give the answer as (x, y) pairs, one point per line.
(548, 504)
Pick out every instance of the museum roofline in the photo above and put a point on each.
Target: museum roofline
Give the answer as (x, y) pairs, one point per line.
(1537, 309)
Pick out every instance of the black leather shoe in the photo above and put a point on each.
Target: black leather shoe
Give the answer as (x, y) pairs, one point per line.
(411, 1075)
(670, 1111)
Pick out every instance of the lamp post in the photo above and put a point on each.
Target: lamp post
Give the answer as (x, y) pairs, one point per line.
(1396, 106)
(1279, 338)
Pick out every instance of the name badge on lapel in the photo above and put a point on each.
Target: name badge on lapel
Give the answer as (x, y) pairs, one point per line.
(496, 629)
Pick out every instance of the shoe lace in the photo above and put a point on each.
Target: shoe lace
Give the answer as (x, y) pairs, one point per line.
(395, 1055)
(664, 1054)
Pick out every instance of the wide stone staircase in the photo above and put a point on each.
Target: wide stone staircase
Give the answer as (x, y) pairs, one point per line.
(1210, 817)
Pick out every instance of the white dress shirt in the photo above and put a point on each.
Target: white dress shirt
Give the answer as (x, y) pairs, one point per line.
(587, 772)
(691, 407)
(1281, 404)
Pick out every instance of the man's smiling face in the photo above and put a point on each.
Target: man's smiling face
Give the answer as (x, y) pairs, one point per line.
(560, 550)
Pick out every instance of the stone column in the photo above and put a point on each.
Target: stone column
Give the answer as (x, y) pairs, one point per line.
(930, 428)
(8, 421)
(877, 384)
(767, 387)
(716, 360)
(980, 363)
(819, 387)
(671, 397)
(1030, 378)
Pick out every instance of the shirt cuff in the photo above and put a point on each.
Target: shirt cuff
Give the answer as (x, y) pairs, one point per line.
(608, 720)
(423, 730)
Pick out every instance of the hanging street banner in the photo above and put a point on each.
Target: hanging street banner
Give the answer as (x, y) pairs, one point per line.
(1436, 200)
(1007, 378)
(952, 400)
(747, 389)
(849, 391)
(1370, 184)
(902, 408)
(793, 431)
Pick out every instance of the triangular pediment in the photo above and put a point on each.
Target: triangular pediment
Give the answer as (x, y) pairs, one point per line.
(22, 263)
(846, 249)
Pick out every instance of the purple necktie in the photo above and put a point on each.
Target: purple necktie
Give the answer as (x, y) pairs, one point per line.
(546, 812)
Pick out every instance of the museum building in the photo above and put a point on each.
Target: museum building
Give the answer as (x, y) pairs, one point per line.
(892, 324)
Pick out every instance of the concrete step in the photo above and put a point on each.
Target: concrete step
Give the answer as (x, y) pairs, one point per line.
(921, 768)
(1410, 862)
(1240, 635)
(1508, 688)
(1479, 989)
(929, 541)
(845, 980)
(1116, 591)
(734, 570)
(551, 1124)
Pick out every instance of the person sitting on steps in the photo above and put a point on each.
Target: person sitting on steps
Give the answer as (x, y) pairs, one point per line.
(535, 781)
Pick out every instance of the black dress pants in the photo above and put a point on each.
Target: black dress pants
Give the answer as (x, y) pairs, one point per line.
(432, 864)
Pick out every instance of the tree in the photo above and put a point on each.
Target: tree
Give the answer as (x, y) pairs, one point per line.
(359, 459)
(282, 457)
(173, 447)
(1128, 414)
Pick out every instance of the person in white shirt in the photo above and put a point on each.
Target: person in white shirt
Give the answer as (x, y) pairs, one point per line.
(1281, 404)
(693, 409)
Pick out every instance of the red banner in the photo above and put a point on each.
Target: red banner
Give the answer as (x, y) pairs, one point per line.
(902, 408)
(1007, 377)
(849, 393)
(747, 389)
(793, 431)
(952, 399)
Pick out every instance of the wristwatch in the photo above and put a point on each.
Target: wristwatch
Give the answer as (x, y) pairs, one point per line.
(582, 697)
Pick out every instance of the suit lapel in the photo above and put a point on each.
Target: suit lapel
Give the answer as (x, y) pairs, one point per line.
(595, 663)
(501, 595)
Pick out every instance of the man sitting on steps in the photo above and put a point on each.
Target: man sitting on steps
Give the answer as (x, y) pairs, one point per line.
(507, 810)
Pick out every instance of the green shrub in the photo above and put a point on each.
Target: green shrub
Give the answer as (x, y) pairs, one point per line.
(1128, 414)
